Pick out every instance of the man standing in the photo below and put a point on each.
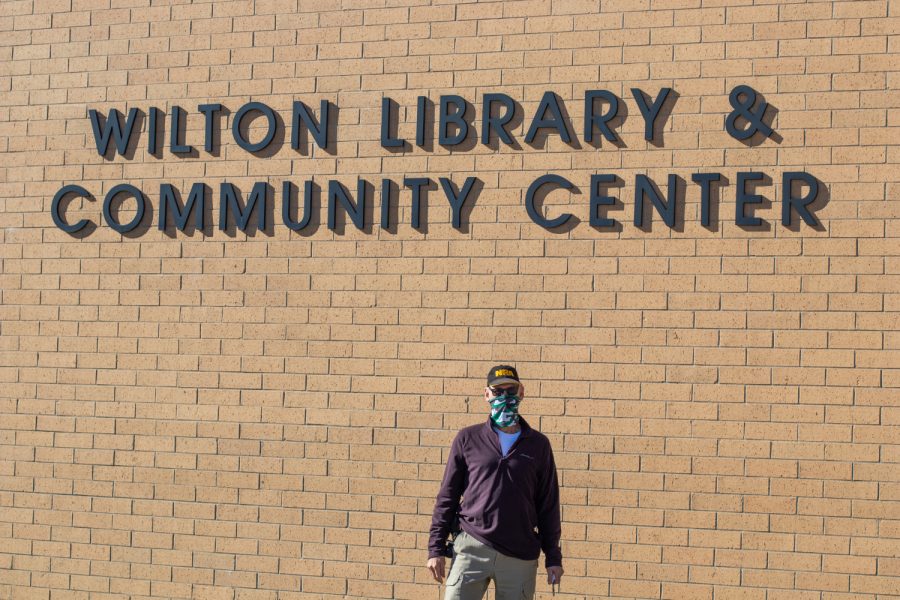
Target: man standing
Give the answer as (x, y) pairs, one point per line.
(506, 476)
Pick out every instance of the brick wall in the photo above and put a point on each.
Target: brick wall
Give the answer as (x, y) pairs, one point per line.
(252, 416)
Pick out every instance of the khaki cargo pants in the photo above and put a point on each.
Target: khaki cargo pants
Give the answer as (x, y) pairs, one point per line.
(475, 564)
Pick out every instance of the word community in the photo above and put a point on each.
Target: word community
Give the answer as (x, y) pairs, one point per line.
(252, 214)
(456, 122)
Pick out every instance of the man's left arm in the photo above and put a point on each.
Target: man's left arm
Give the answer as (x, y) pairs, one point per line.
(547, 500)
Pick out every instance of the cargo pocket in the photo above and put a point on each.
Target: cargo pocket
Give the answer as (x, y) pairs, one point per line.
(457, 567)
(528, 591)
(530, 583)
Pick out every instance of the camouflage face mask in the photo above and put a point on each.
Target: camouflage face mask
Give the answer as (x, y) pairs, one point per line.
(505, 410)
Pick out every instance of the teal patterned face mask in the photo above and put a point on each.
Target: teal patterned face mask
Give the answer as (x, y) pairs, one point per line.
(505, 410)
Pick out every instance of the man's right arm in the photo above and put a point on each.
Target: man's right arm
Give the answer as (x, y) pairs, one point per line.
(549, 527)
(446, 504)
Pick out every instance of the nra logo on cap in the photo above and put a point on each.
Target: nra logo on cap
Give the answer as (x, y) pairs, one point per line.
(501, 373)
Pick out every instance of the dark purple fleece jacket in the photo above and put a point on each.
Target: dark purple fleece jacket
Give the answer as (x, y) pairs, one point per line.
(510, 503)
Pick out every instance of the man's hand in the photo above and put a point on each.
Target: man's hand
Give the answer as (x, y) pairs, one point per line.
(436, 566)
(554, 574)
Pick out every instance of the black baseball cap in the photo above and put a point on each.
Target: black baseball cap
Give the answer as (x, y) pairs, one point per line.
(502, 374)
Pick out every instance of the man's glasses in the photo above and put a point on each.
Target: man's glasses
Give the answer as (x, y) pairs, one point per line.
(500, 391)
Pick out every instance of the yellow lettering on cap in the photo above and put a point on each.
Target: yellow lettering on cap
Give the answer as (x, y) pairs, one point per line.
(503, 372)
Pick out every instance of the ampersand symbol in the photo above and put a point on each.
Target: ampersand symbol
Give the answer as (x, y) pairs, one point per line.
(744, 108)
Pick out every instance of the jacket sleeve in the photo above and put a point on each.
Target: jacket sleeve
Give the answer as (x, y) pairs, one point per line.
(447, 503)
(549, 528)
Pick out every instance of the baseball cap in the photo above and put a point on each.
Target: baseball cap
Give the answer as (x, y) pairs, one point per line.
(502, 374)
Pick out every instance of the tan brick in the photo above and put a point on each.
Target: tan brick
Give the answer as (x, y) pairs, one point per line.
(720, 399)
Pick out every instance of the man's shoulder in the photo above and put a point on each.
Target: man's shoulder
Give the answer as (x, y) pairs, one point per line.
(471, 430)
(540, 438)
(471, 436)
(539, 442)
(535, 434)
